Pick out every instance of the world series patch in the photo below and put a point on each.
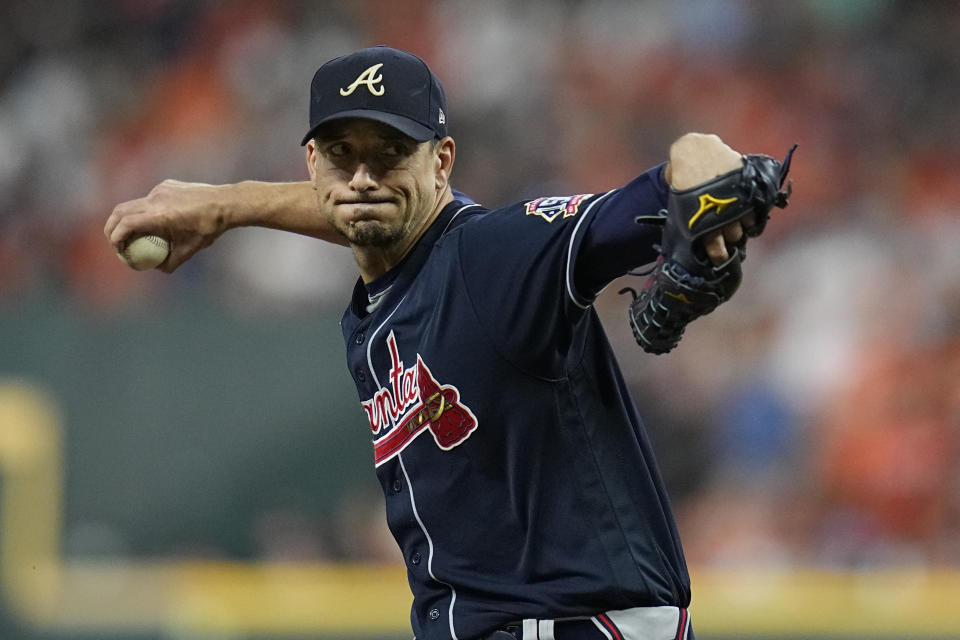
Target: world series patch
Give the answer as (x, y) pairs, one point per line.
(550, 208)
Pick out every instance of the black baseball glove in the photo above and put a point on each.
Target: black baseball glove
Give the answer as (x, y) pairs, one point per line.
(685, 284)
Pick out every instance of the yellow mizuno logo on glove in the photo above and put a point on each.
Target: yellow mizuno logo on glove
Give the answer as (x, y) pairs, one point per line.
(679, 296)
(708, 202)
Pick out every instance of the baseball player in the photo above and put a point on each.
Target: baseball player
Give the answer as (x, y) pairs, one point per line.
(520, 484)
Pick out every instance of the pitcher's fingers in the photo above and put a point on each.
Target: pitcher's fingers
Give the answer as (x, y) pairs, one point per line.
(716, 248)
(171, 263)
(133, 224)
(119, 212)
(749, 223)
(180, 252)
(733, 232)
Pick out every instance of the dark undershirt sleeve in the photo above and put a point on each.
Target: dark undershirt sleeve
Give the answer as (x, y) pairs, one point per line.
(613, 243)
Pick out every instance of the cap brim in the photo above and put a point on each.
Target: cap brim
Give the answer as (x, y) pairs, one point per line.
(405, 125)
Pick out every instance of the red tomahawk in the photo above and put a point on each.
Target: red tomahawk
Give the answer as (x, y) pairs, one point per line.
(449, 421)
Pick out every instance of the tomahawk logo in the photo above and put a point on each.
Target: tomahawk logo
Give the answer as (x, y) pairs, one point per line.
(414, 403)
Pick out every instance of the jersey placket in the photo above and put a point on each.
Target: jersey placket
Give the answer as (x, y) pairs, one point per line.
(368, 354)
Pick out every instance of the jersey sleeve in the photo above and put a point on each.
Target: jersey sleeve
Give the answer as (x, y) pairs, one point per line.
(522, 265)
(613, 243)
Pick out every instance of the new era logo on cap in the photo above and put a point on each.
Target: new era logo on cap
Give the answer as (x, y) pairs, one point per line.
(383, 84)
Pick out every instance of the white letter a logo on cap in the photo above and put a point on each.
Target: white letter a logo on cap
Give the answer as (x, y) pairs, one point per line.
(368, 78)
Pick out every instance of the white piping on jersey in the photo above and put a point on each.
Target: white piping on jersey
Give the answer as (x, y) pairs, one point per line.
(596, 623)
(413, 503)
(573, 236)
(377, 298)
(455, 215)
(416, 514)
(373, 371)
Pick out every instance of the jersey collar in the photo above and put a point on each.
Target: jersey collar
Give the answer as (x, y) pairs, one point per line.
(380, 290)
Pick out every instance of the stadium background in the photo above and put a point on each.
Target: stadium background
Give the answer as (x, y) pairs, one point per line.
(182, 457)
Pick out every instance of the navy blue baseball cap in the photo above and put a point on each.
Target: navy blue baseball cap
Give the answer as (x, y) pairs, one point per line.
(383, 84)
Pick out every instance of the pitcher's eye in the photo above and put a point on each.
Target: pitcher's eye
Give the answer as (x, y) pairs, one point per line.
(395, 150)
(338, 149)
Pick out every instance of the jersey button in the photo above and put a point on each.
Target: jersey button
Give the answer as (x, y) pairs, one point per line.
(359, 338)
(397, 486)
(415, 559)
(361, 376)
(434, 614)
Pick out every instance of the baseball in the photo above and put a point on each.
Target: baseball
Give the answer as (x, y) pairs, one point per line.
(145, 252)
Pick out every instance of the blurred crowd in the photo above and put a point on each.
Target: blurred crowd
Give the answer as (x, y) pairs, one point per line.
(814, 420)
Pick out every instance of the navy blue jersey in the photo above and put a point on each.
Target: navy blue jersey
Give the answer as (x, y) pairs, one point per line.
(519, 481)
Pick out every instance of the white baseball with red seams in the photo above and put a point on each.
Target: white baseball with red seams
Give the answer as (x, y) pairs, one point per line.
(145, 252)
